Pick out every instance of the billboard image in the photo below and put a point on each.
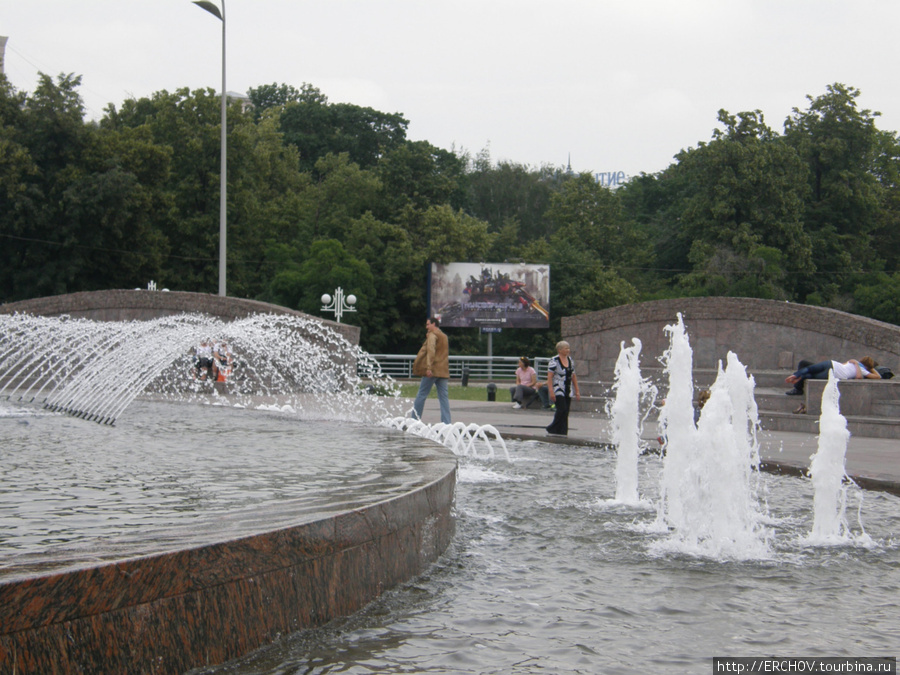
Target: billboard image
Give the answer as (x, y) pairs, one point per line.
(498, 295)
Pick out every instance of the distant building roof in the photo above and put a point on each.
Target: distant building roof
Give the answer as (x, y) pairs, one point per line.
(243, 98)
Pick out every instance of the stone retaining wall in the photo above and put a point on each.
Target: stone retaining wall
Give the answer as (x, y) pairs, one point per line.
(765, 334)
(128, 305)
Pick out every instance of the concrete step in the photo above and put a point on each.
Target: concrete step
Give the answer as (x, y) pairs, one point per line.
(773, 400)
(869, 427)
(886, 409)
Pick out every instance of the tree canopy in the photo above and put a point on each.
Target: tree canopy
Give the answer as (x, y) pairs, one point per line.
(325, 194)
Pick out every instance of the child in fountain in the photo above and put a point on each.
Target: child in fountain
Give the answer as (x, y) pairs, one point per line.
(203, 359)
(222, 360)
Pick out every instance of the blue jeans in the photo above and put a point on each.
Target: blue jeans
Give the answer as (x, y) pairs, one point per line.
(442, 393)
(816, 371)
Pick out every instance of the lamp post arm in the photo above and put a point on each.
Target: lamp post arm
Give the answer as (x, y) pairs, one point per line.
(211, 8)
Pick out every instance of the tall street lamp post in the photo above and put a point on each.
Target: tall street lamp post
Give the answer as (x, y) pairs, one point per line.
(223, 172)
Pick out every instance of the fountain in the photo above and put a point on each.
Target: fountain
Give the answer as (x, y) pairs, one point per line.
(828, 475)
(708, 503)
(632, 393)
(181, 535)
(542, 575)
(462, 439)
(94, 370)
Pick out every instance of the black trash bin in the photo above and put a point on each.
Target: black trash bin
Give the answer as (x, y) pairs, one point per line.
(492, 392)
(465, 376)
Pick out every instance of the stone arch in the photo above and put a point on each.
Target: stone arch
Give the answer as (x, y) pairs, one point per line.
(765, 334)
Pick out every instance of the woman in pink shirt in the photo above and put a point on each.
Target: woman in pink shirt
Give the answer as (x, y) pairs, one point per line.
(526, 384)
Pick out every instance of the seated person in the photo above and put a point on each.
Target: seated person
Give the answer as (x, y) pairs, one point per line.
(851, 370)
(527, 386)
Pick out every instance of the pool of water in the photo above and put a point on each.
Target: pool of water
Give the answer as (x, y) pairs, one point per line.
(547, 576)
(171, 475)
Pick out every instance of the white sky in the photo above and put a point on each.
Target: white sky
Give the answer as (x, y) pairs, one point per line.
(621, 85)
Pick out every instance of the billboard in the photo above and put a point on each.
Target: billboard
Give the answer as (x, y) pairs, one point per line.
(502, 295)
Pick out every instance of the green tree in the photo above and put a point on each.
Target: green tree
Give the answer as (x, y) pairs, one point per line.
(187, 122)
(269, 96)
(266, 193)
(17, 171)
(840, 145)
(510, 193)
(746, 189)
(317, 128)
(327, 266)
(342, 192)
(78, 219)
(587, 217)
(880, 299)
(444, 235)
(417, 175)
(395, 313)
(886, 235)
(655, 203)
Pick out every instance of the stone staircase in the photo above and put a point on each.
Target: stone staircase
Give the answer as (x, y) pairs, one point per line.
(872, 407)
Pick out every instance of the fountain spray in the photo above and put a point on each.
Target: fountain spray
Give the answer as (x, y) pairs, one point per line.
(626, 420)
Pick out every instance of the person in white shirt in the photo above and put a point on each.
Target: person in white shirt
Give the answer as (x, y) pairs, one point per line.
(849, 370)
(203, 359)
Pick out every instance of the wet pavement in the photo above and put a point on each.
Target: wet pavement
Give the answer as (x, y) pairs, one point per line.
(871, 462)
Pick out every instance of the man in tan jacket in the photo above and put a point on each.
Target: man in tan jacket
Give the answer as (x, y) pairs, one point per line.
(432, 364)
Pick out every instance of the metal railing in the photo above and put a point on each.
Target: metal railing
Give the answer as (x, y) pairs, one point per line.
(399, 366)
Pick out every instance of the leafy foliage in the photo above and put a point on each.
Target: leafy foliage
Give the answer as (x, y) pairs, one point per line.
(322, 195)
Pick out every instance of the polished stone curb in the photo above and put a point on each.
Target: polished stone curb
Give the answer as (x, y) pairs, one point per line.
(171, 612)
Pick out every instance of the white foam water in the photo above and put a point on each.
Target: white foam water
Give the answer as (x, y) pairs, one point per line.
(95, 369)
(707, 500)
(465, 440)
(829, 476)
(626, 420)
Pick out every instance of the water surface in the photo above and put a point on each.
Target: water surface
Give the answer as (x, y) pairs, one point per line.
(173, 475)
(546, 576)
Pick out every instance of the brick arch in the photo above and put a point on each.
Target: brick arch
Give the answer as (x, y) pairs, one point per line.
(139, 305)
(765, 334)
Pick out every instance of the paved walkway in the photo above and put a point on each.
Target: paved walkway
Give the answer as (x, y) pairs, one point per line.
(874, 463)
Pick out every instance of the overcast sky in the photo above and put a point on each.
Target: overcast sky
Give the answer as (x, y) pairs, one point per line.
(618, 85)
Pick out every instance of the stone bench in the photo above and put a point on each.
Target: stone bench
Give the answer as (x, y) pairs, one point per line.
(859, 398)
